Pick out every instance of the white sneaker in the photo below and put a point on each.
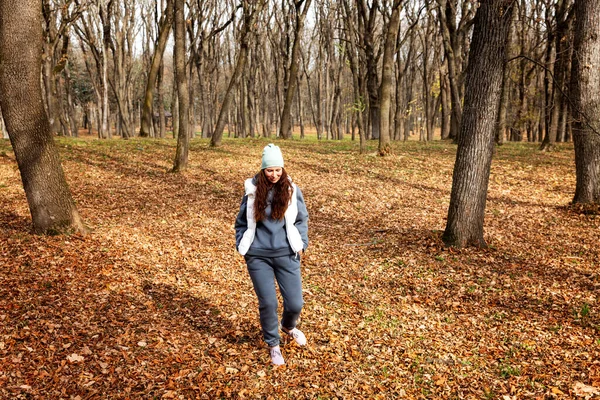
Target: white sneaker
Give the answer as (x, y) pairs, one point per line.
(297, 334)
(276, 357)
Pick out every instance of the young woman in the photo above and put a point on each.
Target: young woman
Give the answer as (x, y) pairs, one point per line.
(271, 231)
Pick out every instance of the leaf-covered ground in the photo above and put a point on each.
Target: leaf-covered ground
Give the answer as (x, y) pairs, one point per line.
(155, 302)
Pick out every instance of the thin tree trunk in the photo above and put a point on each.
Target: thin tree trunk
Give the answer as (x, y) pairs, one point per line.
(161, 44)
(445, 12)
(183, 138)
(358, 82)
(503, 106)
(250, 15)
(286, 128)
(560, 74)
(300, 110)
(446, 109)
(175, 112)
(162, 126)
(385, 89)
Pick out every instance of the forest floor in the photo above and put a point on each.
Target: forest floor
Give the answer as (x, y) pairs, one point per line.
(155, 303)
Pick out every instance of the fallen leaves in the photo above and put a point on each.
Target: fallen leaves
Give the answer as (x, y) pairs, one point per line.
(156, 303)
(583, 390)
(75, 358)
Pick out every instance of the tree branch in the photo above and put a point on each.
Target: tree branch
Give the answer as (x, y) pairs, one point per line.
(586, 119)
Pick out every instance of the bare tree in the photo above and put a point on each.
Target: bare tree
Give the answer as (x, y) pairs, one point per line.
(505, 93)
(205, 28)
(358, 81)
(166, 21)
(251, 9)
(292, 76)
(385, 90)
(91, 34)
(367, 27)
(453, 38)
(559, 36)
(183, 139)
(50, 202)
(476, 137)
(58, 15)
(119, 27)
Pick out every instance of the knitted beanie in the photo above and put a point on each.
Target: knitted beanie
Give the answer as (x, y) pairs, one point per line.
(271, 157)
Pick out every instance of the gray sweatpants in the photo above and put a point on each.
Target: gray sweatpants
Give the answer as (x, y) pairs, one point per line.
(264, 271)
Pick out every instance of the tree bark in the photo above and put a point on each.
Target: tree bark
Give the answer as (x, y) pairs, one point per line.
(447, 17)
(585, 90)
(250, 14)
(48, 195)
(358, 81)
(292, 82)
(560, 75)
(119, 21)
(385, 89)
(446, 111)
(161, 44)
(300, 110)
(183, 139)
(476, 136)
(367, 26)
(162, 124)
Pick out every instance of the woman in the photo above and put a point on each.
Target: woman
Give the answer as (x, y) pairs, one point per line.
(271, 231)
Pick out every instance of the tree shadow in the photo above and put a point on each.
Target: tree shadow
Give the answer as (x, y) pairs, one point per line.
(509, 269)
(196, 312)
(12, 222)
(439, 192)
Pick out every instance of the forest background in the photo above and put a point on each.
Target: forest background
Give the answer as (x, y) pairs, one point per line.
(99, 56)
(160, 297)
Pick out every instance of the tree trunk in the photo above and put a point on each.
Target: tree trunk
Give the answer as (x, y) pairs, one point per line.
(162, 124)
(476, 137)
(385, 90)
(161, 44)
(286, 128)
(409, 114)
(300, 111)
(502, 107)
(367, 26)
(446, 110)
(183, 138)
(118, 19)
(250, 15)
(50, 202)
(549, 120)
(585, 90)
(560, 73)
(358, 81)
(566, 60)
(447, 17)
(73, 120)
(175, 111)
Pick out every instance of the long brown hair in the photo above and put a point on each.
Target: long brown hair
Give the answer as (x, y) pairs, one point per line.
(282, 193)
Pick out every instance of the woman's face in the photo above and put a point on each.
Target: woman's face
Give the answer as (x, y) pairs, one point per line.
(273, 174)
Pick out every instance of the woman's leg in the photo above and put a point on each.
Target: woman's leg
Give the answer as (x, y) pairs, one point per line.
(261, 273)
(287, 273)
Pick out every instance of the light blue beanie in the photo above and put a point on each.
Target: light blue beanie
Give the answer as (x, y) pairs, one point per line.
(271, 157)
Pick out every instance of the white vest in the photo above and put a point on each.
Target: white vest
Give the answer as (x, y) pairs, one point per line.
(293, 235)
